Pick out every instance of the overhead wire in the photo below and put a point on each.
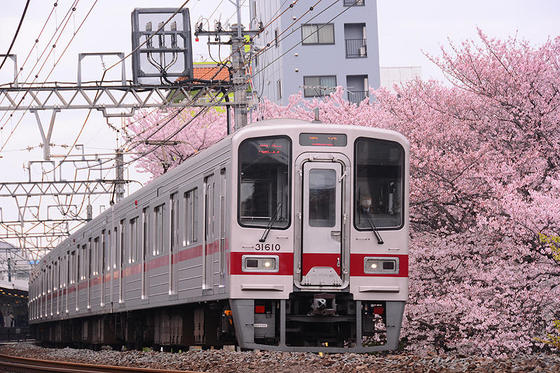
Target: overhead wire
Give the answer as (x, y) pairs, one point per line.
(59, 29)
(16, 34)
(21, 68)
(177, 113)
(102, 79)
(172, 116)
(65, 20)
(231, 54)
(300, 42)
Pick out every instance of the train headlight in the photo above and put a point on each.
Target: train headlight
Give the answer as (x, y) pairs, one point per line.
(381, 265)
(260, 263)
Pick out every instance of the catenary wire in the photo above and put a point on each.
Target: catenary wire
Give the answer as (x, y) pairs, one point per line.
(16, 34)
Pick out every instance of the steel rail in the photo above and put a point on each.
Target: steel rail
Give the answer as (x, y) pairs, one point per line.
(9, 363)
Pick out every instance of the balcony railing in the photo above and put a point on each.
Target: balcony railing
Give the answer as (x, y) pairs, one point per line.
(354, 2)
(356, 97)
(356, 48)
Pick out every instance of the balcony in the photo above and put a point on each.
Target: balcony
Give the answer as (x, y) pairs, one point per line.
(356, 48)
(356, 97)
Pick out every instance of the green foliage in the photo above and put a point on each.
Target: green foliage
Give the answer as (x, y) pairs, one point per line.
(552, 340)
(553, 243)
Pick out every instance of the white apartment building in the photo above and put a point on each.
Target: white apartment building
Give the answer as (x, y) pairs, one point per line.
(314, 46)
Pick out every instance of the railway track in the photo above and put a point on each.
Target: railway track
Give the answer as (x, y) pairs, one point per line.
(16, 364)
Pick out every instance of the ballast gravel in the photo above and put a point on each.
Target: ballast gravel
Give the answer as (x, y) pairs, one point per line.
(222, 361)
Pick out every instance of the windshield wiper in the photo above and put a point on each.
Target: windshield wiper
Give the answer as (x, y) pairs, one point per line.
(273, 220)
(373, 227)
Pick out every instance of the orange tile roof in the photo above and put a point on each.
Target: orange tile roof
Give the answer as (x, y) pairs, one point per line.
(207, 73)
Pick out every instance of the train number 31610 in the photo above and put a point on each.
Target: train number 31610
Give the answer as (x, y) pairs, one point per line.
(267, 247)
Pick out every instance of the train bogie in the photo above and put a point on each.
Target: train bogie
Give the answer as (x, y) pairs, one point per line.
(286, 235)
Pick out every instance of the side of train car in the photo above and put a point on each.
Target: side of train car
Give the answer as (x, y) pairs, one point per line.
(286, 235)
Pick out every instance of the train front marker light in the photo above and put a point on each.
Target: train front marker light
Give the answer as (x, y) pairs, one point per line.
(260, 263)
(380, 265)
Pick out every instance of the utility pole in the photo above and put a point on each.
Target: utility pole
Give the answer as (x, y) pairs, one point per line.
(239, 76)
(239, 79)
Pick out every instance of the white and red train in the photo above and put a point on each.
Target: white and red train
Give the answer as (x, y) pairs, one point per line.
(286, 235)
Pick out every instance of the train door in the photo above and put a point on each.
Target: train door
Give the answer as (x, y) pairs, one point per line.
(145, 230)
(120, 245)
(222, 242)
(321, 224)
(67, 283)
(208, 235)
(173, 239)
(103, 269)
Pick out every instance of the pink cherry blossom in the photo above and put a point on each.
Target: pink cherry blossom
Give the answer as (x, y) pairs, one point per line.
(485, 185)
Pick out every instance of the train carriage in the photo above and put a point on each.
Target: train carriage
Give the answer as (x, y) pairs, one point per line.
(287, 235)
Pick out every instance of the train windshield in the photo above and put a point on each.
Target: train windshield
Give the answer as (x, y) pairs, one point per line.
(379, 184)
(264, 182)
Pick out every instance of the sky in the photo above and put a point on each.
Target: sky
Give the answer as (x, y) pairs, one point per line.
(407, 30)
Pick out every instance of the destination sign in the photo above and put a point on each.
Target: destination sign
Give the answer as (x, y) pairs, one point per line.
(322, 139)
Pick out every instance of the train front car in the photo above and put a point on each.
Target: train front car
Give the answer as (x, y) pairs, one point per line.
(319, 252)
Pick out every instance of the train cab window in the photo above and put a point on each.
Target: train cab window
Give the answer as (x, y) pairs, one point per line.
(264, 182)
(379, 178)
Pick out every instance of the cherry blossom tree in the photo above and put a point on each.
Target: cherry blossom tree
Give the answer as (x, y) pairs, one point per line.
(151, 134)
(485, 188)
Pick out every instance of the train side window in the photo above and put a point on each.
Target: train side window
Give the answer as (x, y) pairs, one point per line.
(122, 244)
(96, 256)
(190, 199)
(103, 260)
(159, 229)
(174, 220)
(264, 182)
(133, 241)
(90, 264)
(78, 264)
(55, 275)
(72, 267)
(114, 249)
(49, 279)
(379, 184)
(85, 263)
(145, 234)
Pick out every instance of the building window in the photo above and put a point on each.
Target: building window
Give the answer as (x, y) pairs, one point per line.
(276, 38)
(322, 33)
(317, 86)
(354, 2)
(278, 89)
